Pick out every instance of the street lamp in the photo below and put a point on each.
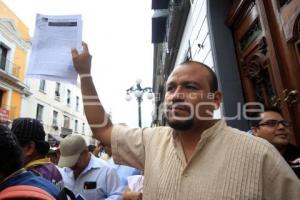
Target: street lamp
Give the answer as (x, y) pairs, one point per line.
(138, 92)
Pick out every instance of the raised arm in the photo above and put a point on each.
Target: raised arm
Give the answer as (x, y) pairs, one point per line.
(98, 119)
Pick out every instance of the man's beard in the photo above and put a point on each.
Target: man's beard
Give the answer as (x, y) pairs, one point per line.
(181, 125)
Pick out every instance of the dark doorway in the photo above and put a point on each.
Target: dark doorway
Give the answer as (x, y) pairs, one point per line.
(1, 97)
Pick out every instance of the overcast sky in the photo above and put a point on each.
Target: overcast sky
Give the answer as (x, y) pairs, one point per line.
(118, 33)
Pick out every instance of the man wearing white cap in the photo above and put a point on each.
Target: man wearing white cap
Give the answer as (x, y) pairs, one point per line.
(84, 174)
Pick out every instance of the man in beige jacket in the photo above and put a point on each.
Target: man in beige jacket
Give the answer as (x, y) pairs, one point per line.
(197, 157)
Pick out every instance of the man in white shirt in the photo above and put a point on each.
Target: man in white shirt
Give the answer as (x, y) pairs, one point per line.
(84, 174)
(122, 170)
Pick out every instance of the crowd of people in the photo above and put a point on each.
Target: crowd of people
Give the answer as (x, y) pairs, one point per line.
(78, 174)
(194, 157)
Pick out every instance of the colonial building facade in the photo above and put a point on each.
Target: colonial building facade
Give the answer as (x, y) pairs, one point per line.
(57, 105)
(14, 47)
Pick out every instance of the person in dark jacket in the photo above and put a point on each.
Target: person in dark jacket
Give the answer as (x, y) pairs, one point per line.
(271, 126)
(31, 136)
(11, 162)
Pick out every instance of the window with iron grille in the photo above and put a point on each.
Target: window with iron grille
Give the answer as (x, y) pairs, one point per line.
(39, 112)
(57, 91)
(3, 57)
(76, 126)
(42, 85)
(68, 97)
(66, 121)
(55, 116)
(77, 103)
(83, 128)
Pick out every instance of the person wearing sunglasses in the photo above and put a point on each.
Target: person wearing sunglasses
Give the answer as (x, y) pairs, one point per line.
(271, 126)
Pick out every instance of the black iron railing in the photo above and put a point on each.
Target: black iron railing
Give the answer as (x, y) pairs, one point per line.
(6, 65)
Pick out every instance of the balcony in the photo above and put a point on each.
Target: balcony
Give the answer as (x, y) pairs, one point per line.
(65, 131)
(6, 65)
(54, 139)
(10, 74)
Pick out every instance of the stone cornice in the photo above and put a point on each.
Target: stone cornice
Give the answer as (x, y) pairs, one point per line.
(12, 81)
(10, 32)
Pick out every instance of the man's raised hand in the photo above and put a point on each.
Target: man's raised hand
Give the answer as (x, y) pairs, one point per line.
(82, 61)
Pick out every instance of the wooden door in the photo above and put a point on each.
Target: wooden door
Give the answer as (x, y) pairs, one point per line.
(284, 19)
(263, 75)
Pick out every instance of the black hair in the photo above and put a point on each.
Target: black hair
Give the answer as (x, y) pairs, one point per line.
(91, 147)
(29, 130)
(257, 115)
(42, 147)
(11, 154)
(213, 82)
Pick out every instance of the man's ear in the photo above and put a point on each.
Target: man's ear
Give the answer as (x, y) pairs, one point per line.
(218, 96)
(85, 152)
(254, 130)
(29, 149)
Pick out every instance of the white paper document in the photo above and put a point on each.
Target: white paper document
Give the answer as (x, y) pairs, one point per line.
(54, 36)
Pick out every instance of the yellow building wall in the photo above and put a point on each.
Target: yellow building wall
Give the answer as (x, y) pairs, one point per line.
(5, 12)
(20, 63)
(15, 106)
(19, 60)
